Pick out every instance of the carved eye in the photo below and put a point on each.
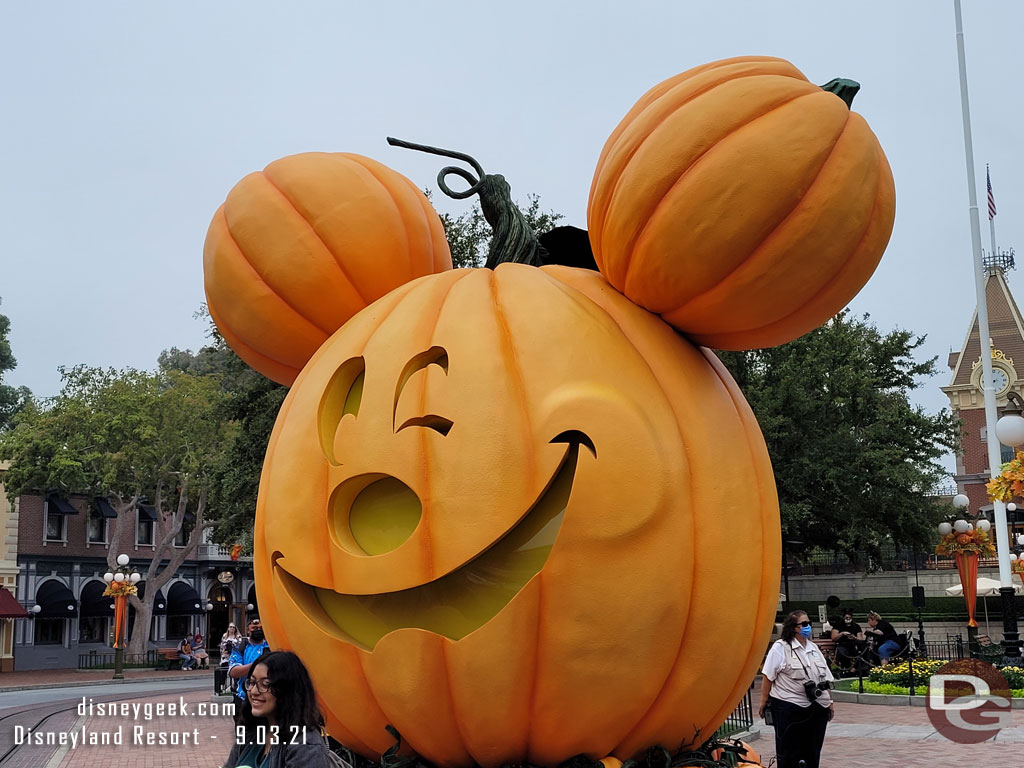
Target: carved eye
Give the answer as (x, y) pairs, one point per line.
(433, 356)
(342, 396)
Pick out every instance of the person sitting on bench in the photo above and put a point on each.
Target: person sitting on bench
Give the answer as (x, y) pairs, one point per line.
(887, 641)
(849, 640)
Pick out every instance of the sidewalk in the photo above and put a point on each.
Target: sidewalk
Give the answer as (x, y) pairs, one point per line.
(897, 736)
(56, 678)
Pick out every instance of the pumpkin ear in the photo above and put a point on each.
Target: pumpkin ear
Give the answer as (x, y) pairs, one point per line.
(742, 203)
(303, 245)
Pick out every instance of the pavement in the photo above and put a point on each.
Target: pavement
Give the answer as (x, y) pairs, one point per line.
(201, 734)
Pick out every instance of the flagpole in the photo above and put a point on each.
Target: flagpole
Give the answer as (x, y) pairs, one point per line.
(1011, 642)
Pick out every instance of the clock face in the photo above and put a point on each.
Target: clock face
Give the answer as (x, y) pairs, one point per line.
(225, 577)
(1000, 380)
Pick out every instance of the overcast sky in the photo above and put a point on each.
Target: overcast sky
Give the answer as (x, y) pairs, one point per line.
(125, 124)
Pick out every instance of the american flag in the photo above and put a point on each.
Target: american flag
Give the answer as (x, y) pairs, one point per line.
(991, 198)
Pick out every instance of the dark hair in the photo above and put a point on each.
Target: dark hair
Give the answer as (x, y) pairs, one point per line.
(789, 625)
(293, 690)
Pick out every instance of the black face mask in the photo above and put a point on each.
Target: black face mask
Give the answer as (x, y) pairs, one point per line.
(256, 635)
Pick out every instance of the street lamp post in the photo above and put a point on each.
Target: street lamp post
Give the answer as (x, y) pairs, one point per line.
(120, 583)
(1009, 431)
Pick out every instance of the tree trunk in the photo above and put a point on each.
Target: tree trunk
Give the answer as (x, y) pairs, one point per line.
(140, 630)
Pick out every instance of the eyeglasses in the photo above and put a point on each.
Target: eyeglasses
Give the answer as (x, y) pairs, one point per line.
(805, 623)
(260, 685)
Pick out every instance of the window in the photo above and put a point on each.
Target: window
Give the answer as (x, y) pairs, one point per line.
(97, 530)
(1006, 453)
(181, 537)
(92, 629)
(49, 631)
(178, 627)
(55, 526)
(143, 530)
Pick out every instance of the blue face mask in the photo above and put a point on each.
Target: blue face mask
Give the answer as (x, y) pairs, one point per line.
(805, 631)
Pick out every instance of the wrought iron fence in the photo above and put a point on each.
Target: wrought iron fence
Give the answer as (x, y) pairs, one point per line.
(741, 719)
(106, 660)
(952, 649)
(888, 558)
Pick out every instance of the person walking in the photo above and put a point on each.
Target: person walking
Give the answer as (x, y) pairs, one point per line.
(279, 725)
(795, 694)
(246, 653)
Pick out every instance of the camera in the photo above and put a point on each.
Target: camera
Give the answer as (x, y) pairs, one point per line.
(814, 691)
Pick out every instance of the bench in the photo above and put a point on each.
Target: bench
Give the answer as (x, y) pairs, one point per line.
(167, 658)
(827, 648)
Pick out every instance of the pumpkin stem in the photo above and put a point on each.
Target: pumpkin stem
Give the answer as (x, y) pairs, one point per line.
(843, 88)
(512, 238)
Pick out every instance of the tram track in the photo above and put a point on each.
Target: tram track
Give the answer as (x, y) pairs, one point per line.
(41, 713)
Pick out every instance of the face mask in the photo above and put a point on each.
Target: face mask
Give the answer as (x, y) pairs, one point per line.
(256, 635)
(805, 631)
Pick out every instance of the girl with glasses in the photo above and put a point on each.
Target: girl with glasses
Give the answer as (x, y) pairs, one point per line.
(279, 723)
(795, 692)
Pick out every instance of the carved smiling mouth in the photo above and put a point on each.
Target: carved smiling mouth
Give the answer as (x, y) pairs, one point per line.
(458, 602)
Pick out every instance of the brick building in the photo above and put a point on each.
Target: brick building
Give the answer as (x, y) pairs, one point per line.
(10, 610)
(1006, 348)
(62, 546)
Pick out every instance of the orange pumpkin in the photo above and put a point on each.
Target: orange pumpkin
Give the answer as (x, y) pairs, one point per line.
(493, 498)
(301, 246)
(742, 203)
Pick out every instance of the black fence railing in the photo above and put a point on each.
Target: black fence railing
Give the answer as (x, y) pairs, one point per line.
(741, 719)
(106, 660)
(952, 649)
(888, 558)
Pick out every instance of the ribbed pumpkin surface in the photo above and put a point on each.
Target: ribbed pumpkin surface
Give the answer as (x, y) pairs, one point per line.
(300, 247)
(605, 649)
(742, 203)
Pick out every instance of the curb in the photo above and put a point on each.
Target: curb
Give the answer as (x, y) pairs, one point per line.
(897, 700)
(79, 683)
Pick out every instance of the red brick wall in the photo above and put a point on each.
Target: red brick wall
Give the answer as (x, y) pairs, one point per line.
(31, 524)
(975, 451)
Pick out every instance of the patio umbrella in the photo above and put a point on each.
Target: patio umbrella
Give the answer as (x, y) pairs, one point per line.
(986, 587)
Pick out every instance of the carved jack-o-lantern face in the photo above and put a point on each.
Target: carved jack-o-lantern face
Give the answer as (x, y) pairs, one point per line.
(493, 514)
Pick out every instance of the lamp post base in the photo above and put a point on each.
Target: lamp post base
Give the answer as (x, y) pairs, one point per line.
(118, 664)
(1011, 636)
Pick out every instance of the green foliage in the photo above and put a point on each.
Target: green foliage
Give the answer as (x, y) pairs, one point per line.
(127, 434)
(853, 458)
(250, 403)
(887, 688)
(469, 233)
(12, 399)
(899, 608)
(899, 674)
(1014, 676)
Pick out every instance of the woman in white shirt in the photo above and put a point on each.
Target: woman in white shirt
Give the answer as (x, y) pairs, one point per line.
(795, 687)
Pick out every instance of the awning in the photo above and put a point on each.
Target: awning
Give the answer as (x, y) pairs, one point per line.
(182, 599)
(10, 608)
(103, 508)
(56, 601)
(93, 601)
(159, 602)
(146, 511)
(59, 505)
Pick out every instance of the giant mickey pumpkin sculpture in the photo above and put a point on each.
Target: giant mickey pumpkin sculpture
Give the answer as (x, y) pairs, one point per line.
(497, 509)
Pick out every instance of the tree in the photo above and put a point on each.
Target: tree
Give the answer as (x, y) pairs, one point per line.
(12, 399)
(853, 459)
(134, 438)
(469, 233)
(250, 402)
